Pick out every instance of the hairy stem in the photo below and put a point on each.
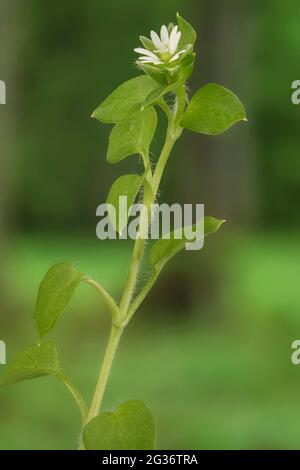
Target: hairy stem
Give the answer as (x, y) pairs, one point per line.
(114, 309)
(110, 352)
(132, 276)
(75, 394)
(173, 133)
(140, 298)
(127, 308)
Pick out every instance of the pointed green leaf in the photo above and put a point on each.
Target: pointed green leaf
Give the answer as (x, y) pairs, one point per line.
(164, 249)
(130, 427)
(213, 110)
(188, 34)
(147, 43)
(126, 185)
(33, 362)
(170, 27)
(132, 136)
(126, 100)
(55, 291)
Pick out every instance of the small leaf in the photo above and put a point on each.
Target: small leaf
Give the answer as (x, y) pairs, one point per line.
(188, 34)
(33, 362)
(164, 249)
(132, 136)
(170, 27)
(147, 43)
(213, 110)
(125, 101)
(126, 185)
(55, 291)
(130, 427)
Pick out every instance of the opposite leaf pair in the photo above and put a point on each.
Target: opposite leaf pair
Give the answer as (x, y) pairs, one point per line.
(212, 111)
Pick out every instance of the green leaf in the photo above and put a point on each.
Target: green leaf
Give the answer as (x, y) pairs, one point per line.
(33, 362)
(132, 136)
(147, 43)
(130, 427)
(126, 185)
(159, 92)
(186, 65)
(126, 100)
(213, 110)
(188, 34)
(164, 249)
(55, 291)
(159, 75)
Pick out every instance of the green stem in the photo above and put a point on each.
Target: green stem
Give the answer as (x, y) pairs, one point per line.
(113, 307)
(168, 146)
(174, 131)
(75, 394)
(140, 298)
(138, 250)
(146, 160)
(126, 309)
(166, 108)
(115, 336)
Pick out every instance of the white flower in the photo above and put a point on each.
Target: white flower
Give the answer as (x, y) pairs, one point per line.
(164, 47)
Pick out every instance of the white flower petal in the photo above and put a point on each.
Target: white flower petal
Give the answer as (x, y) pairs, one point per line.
(164, 35)
(175, 57)
(140, 50)
(174, 40)
(156, 40)
(145, 60)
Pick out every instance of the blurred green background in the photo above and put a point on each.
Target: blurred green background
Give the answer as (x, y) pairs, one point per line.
(210, 349)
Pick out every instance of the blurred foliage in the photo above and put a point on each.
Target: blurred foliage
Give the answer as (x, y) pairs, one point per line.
(71, 58)
(218, 376)
(277, 122)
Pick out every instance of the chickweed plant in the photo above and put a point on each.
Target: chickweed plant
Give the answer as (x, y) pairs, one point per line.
(165, 62)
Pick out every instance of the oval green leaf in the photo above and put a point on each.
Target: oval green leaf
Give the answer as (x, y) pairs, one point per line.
(132, 136)
(188, 34)
(130, 427)
(164, 249)
(33, 362)
(126, 100)
(55, 291)
(213, 110)
(126, 185)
